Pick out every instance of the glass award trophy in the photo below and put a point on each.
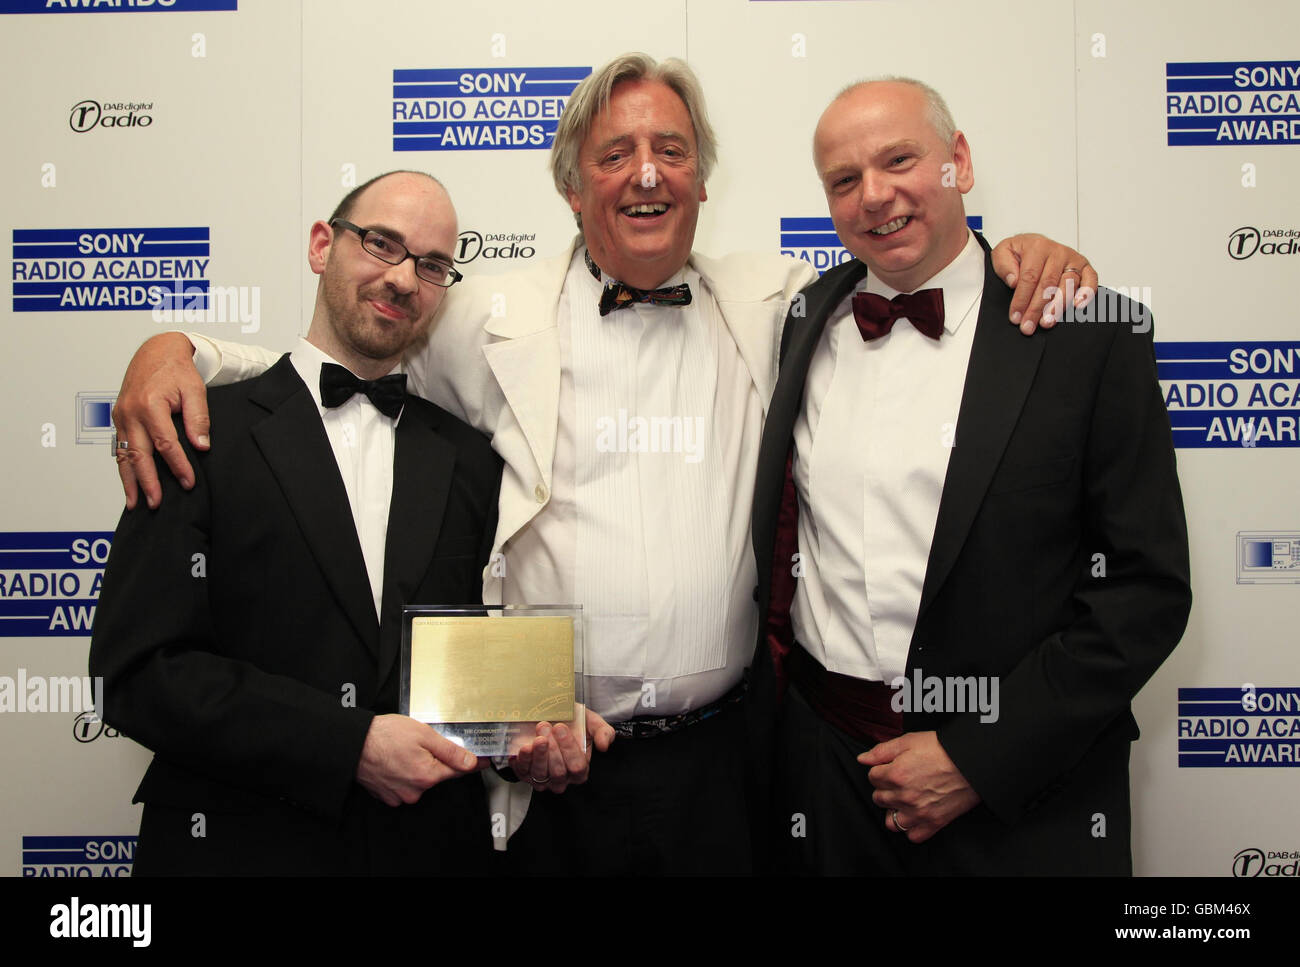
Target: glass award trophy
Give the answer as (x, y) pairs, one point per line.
(485, 676)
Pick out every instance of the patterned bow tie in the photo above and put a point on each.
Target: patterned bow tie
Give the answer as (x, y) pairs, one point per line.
(618, 295)
(876, 315)
(337, 386)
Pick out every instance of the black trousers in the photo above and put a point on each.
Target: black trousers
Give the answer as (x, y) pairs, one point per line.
(446, 833)
(825, 823)
(668, 805)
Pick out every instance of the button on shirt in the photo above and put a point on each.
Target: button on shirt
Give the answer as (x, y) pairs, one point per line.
(872, 443)
(647, 525)
(363, 441)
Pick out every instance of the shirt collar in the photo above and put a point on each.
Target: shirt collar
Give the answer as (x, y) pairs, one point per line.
(308, 359)
(962, 281)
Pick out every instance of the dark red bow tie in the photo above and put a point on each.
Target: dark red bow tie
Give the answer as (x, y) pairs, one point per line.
(876, 315)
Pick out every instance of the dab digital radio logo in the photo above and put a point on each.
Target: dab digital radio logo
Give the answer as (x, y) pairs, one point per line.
(462, 109)
(88, 115)
(1248, 240)
(471, 245)
(88, 726)
(1256, 862)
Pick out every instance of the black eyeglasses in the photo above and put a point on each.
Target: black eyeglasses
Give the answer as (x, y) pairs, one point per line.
(395, 253)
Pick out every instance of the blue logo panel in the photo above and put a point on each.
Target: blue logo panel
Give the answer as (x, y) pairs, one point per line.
(1231, 394)
(480, 108)
(101, 269)
(114, 6)
(1239, 727)
(1232, 102)
(50, 581)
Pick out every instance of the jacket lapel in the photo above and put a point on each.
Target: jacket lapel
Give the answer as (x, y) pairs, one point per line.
(293, 442)
(1001, 370)
(422, 474)
(524, 356)
(798, 341)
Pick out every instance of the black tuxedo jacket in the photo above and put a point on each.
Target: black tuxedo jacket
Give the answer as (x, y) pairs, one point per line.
(1063, 452)
(237, 638)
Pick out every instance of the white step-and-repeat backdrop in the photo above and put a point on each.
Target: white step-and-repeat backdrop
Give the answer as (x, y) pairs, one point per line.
(163, 160)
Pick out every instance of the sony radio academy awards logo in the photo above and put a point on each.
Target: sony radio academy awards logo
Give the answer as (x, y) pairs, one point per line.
(50, 581)
(97, 269)
(1238, 727)
(90, 115)
(46, 856)
(475, 108)
(1232, 102)
(1247, 241)
(1231, 394)
(114, 6)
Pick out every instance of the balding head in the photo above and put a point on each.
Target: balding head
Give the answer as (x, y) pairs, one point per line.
(369, 310)
(893, 183)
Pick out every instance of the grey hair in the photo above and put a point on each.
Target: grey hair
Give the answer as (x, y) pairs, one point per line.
(940, 117)
(592, 95)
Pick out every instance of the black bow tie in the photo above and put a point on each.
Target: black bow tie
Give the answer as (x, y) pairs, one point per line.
(337, 386)
(619, 295)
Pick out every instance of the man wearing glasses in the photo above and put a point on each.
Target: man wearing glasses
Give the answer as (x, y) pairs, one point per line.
(248, 631)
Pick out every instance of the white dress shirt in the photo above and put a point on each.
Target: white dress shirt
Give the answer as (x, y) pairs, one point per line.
(648, 526)
(363, 441)
(872, 442)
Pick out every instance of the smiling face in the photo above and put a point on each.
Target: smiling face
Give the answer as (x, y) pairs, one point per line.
(882, 166)
(641, 192)
(367, 311)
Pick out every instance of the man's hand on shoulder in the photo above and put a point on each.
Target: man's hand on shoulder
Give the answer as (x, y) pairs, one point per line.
(160, 380)
(402, 758)
(919, 786)
(1044, 273)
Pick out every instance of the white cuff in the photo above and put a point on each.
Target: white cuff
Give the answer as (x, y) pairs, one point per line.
(207, 357)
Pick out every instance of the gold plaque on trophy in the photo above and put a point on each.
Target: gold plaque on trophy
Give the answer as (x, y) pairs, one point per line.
(486, 676)
(508, 669)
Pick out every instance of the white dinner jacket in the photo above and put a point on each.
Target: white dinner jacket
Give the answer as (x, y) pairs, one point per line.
(493, 359)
